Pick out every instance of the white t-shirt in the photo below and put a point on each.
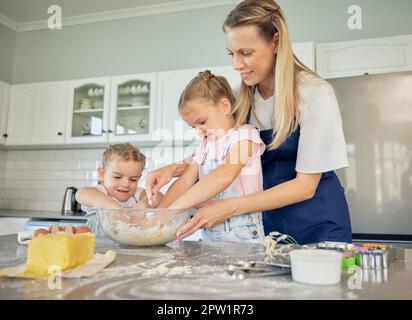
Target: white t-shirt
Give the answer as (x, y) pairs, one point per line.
(322, 143)
(129, 203)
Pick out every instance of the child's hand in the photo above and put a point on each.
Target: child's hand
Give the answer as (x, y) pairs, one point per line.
(142, 204)
(156, 200)
(120, 216)
(198, 206)
(136, 218)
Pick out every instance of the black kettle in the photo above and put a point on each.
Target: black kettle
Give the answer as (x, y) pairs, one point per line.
(70, 205)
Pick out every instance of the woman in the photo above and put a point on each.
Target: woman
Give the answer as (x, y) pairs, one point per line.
(298, 118)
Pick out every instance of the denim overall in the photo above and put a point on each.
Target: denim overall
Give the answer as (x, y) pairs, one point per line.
(242, 228)
(325, 217)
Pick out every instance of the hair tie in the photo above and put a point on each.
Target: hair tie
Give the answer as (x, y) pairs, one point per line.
(207, 74)
(271, 15)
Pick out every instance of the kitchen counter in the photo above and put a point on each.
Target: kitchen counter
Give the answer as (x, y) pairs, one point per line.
(39, 214)
(195, 270)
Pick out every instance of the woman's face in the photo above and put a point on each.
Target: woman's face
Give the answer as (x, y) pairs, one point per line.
(253, 56)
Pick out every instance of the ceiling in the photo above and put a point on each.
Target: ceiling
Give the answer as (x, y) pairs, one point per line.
(24, 11)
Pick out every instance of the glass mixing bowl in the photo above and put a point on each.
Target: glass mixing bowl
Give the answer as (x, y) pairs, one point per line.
(142, 227)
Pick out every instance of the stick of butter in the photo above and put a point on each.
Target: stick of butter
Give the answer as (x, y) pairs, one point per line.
(59, 250)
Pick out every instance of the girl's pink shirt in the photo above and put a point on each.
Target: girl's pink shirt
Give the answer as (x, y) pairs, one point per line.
(250, 179)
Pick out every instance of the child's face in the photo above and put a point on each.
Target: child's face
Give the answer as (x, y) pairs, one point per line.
(210, 121)
(120, 177)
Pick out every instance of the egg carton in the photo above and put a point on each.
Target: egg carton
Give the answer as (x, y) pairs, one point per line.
(23, 237)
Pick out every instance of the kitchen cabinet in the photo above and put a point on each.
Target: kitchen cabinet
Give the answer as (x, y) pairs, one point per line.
(352, 58)
(139, 107)
(4, 107)
(50, 113)
(88, 110)
(171, 84)
(169, 124)
(111, 109)
(20, 119)
(132, 107)
(37, 113)
(305, 52)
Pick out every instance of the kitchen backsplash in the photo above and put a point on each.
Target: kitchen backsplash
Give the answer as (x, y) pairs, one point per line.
(37, 179)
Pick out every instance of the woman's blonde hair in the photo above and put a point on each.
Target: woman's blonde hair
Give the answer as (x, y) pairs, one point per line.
(208, 86)
(267, 16)
(125, 151)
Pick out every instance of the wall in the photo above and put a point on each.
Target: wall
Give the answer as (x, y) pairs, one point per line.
(186, 39)
(37, 179)
(7, 50)
(137, 45)
(326, 20)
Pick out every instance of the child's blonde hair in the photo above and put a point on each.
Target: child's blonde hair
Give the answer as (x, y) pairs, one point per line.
(208, 86)
(125, 151)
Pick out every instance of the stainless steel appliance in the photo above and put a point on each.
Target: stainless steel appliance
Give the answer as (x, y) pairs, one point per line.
(70, 205)
(377, 122)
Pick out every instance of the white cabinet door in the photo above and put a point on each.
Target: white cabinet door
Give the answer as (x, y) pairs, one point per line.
(305, 52)
(88, 111)
(4, 107)
(132, 107)
(352, 58)
(37, 113)
(170, 125)
(20, 120)
(50, 112)
(229, 73)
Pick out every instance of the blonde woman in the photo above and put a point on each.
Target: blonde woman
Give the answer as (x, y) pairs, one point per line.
(298, 118)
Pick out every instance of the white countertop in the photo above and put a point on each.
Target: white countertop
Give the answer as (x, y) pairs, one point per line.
(55, 215)
(195, 270)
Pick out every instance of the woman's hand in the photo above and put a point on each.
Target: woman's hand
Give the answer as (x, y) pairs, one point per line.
(213, 213)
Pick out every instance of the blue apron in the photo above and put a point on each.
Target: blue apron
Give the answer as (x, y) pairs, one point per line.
(325, 217)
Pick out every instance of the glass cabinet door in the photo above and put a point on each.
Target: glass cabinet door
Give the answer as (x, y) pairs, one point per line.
(88, 111)
(133, 101)
(132, 104)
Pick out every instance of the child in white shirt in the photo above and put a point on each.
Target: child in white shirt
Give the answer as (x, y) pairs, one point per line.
(119, 175)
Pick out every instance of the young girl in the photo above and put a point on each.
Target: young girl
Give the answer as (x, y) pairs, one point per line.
(227, 162)
(119, 175)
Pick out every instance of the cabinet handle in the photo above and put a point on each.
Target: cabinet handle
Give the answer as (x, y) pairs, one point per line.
(59, 133)
(110, 131)
(5, 135)
(104, 131)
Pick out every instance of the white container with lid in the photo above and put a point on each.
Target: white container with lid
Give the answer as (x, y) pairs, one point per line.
(319, 267)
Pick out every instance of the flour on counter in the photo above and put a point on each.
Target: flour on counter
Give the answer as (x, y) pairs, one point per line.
(164, 270)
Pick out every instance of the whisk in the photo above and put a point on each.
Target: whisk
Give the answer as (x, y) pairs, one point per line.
(278, 246)
(277, 237)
